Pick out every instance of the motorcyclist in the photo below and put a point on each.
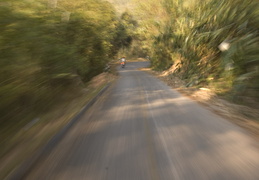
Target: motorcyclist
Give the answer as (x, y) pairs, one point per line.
(123, 61)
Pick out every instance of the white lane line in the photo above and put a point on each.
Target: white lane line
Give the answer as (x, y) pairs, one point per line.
(172, 165)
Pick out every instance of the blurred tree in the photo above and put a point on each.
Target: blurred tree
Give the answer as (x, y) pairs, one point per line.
(125, 32)
(44, 45)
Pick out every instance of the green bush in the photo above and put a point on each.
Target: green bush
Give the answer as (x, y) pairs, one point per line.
(44, 47)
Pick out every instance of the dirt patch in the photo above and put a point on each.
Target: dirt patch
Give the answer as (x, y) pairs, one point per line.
(243, 116)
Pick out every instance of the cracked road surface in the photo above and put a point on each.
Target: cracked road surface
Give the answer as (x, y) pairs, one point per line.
(141, 129)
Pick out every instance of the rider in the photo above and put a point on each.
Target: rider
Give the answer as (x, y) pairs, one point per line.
(123, 60)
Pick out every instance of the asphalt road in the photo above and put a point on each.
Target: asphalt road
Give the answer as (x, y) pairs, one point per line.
(141, 129)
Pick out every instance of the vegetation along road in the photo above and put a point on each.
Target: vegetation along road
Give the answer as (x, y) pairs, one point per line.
(142, 129)
(56, 55)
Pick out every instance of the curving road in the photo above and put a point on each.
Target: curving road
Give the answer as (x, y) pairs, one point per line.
(141, 129)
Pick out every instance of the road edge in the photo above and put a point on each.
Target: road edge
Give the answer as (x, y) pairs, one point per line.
(24, 168)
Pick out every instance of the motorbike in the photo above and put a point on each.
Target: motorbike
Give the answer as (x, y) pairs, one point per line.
(123, 64)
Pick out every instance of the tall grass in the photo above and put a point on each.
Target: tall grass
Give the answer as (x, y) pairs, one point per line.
(193, 35)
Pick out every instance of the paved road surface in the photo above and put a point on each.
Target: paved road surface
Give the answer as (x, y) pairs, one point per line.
(141, 129)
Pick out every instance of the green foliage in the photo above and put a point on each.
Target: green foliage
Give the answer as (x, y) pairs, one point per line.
(44, 47)
(125, 34)
(191, 31)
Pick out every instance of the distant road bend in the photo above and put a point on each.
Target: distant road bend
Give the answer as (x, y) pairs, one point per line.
(141, 129)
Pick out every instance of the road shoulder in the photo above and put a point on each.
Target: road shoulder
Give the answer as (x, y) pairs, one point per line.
(243, 116)
(44, 134)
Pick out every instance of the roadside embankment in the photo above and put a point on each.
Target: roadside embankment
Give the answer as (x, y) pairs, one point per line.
(30, 139)
(243, 116)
